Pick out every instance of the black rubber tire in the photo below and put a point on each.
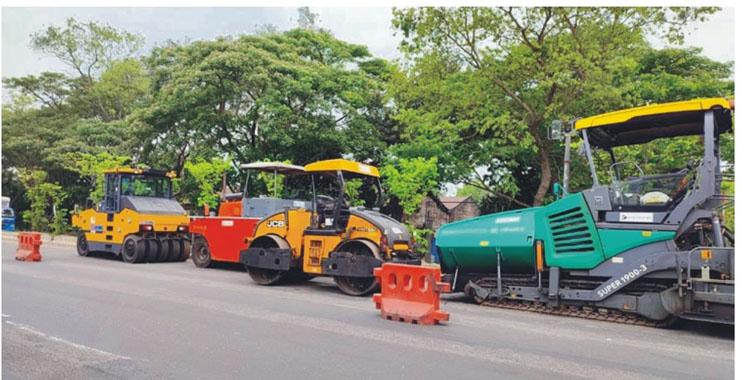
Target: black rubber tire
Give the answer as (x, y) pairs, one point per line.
(134, 249)
(186, 249)
(175, 250)
(152, 250)
(82, 244)
(201, 253)
(357, 286)
(163, 250)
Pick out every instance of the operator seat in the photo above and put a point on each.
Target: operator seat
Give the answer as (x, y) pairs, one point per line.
(326, 209)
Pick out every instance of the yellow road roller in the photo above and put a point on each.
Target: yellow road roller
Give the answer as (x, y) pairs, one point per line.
(137, 220)
(329, 237)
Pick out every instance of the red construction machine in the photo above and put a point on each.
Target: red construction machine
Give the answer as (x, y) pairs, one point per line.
(221, 238)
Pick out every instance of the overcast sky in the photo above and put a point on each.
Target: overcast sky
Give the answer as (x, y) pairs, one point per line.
(367, 26)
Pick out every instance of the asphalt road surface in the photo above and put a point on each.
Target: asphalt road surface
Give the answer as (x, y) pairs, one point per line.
(74, 317)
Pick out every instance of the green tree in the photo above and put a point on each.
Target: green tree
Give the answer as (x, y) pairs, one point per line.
(54, 118)
(207, 175)
(39, 139)
(409, 180)
(88, 47)
(91, 166)
(352, 189)
(91, 48)
(45, 199)
(119, 90)
(299, 95)
(49, 89)
(515, 70)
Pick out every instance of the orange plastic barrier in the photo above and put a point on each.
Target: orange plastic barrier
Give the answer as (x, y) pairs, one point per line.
(410, 293)
(28, 246)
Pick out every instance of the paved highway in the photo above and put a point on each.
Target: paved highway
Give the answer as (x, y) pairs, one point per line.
(98, 318)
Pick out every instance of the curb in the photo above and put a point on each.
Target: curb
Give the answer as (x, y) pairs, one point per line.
(64, 240)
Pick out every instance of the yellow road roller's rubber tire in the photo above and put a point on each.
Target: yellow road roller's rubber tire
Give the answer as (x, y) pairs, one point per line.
(186, 249)
(152, 252)
(82, 244)
(173, 250)
(162, 250)
(134, 249)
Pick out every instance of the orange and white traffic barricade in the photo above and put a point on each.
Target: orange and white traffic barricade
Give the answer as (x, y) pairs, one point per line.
(410, 293)
(28, 246)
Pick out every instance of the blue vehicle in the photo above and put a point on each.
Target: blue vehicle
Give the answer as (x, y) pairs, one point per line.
(9, 216)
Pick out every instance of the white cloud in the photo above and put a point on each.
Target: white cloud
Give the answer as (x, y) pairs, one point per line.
(367, 26)
(715, 36)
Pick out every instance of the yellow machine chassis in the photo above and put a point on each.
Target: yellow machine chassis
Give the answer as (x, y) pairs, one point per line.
(311, 249)
(99, 229)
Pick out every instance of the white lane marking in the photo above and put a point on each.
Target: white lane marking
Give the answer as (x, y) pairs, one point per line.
(6, 316)
(69, 343)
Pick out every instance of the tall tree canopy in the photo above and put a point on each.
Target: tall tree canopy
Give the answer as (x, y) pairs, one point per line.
(301, 95)
(469, 104)
(56, 120)
(96, 50)
(504, 73)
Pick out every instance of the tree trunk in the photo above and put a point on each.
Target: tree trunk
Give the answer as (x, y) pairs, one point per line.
(544, 163)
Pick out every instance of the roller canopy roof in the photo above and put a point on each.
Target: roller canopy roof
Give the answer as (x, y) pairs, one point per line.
(278, 167)
(346, 166)
(642, 124)
(145, 172)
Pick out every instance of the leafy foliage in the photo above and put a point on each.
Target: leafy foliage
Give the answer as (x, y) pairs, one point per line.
(352, 190)
(60, 123)
(45, 199)
(91, 49)
(91, 166)
(88, 47)
(270, 96)
(409, 179)
(496, 76)
(469, 105)
(207, 175)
